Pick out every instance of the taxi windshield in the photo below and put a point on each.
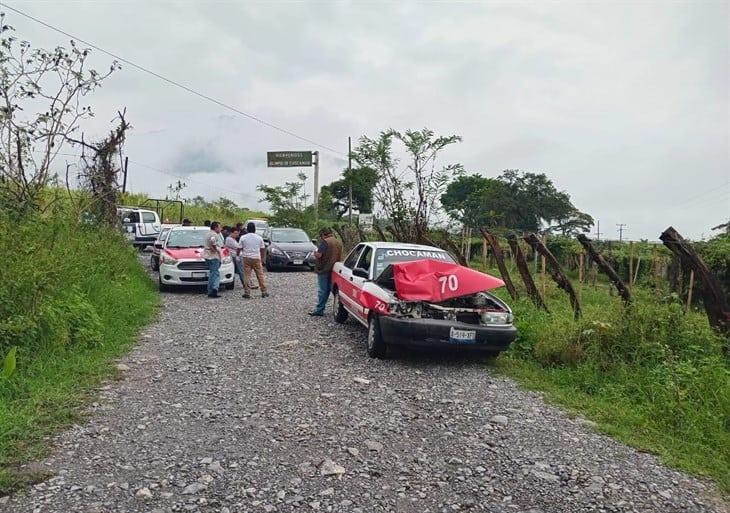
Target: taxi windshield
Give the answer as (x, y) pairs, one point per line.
(386, 256)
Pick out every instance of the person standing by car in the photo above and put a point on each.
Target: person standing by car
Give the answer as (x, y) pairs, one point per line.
(328, 253)
(213, 257)
(235, 249)
(253, 251)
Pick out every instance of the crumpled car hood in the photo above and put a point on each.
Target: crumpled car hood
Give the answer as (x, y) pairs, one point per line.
(436, 281)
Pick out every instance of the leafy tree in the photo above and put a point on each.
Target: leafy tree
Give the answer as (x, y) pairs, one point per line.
(41, 93)
(408, 196)
(517, 200)
(288, 202)
(363, 181)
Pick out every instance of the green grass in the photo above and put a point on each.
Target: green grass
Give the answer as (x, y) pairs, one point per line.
(75, 304)
(650, 375)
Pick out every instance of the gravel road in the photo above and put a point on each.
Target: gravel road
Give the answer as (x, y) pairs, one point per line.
(230, 406)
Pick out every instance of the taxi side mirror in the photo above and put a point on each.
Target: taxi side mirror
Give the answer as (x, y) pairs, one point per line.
(360, 272)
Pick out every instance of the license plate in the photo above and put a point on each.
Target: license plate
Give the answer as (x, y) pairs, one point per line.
(298, 262)
(457, 336)
(200, 275)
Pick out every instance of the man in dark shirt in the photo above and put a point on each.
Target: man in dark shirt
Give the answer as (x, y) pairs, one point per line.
(328, 253)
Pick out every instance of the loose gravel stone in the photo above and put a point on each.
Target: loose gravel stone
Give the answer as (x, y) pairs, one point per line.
(255, 406)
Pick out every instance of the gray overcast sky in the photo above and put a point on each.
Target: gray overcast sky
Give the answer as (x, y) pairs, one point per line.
(625, 106)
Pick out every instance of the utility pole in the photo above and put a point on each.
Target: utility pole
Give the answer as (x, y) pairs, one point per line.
(621, 231)
(316, 184)
(598, 230)
(349, 172)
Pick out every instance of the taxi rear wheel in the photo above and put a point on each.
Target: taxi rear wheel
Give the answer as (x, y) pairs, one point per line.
(377, 347)
(339, 310)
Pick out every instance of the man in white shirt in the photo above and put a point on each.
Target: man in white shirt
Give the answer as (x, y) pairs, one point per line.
(253, 251)
(212, 255)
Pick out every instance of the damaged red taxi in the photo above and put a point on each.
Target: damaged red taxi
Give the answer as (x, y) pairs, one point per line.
(418, 296)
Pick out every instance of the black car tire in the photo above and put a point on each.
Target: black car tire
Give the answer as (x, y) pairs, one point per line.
(339, 310)
(230, 286)
(154, 263)
(268, 265)
(377, 348)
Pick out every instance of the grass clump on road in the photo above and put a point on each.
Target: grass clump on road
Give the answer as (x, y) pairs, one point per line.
(649, 374)
(72, 298)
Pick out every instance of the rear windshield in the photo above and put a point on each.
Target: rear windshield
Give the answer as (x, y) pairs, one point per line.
(186, 239)
(386, 256)
(289, 236)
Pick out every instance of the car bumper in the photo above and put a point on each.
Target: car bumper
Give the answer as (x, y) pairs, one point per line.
(435, 334)
(281, 262)
(172, 275)
(144, 241)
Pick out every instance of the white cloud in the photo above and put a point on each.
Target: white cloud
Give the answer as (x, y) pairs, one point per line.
(624, 105)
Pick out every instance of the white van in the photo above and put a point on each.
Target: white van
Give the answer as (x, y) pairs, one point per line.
(141, 226)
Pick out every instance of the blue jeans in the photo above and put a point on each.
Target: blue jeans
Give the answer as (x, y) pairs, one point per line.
(324, 281)
(239, 268)
(214, 275)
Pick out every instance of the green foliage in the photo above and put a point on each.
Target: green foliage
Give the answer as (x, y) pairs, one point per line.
(408, 196)
(9, 363)
(72, 298)
(515, 200)
(198, 209)
(716, 254)
(650, 374)
(337, 194)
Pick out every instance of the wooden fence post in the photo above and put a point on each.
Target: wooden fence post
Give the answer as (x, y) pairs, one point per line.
(713, 295)
(631, 263)
(490, 239)
(689, 290)
(543, 278)
(581, 273)
(525, 272)
(605, 267)
(556, 272)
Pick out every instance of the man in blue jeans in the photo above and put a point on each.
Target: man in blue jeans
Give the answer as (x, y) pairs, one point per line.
(328, 253)
(212, 255)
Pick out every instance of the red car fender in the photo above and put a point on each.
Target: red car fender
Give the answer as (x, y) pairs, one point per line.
(372, 302)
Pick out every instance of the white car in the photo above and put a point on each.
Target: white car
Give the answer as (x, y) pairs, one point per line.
(262, 228)
(142, 227)
(182, 263)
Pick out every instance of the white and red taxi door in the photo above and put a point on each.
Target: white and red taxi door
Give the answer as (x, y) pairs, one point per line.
(350, 286)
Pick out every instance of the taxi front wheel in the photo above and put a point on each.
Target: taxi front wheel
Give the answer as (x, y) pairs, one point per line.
(376, 345)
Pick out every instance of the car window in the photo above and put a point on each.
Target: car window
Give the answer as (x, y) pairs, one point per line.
(352, 257)
(386, 256)
(365, 258)
(133, 217)
(163, 234)
(289, 235)
(186, 239)
(148, 217)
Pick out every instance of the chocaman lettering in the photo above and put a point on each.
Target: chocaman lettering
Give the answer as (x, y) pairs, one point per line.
(440, 255)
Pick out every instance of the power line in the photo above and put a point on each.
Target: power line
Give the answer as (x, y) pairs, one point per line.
(177, 84)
